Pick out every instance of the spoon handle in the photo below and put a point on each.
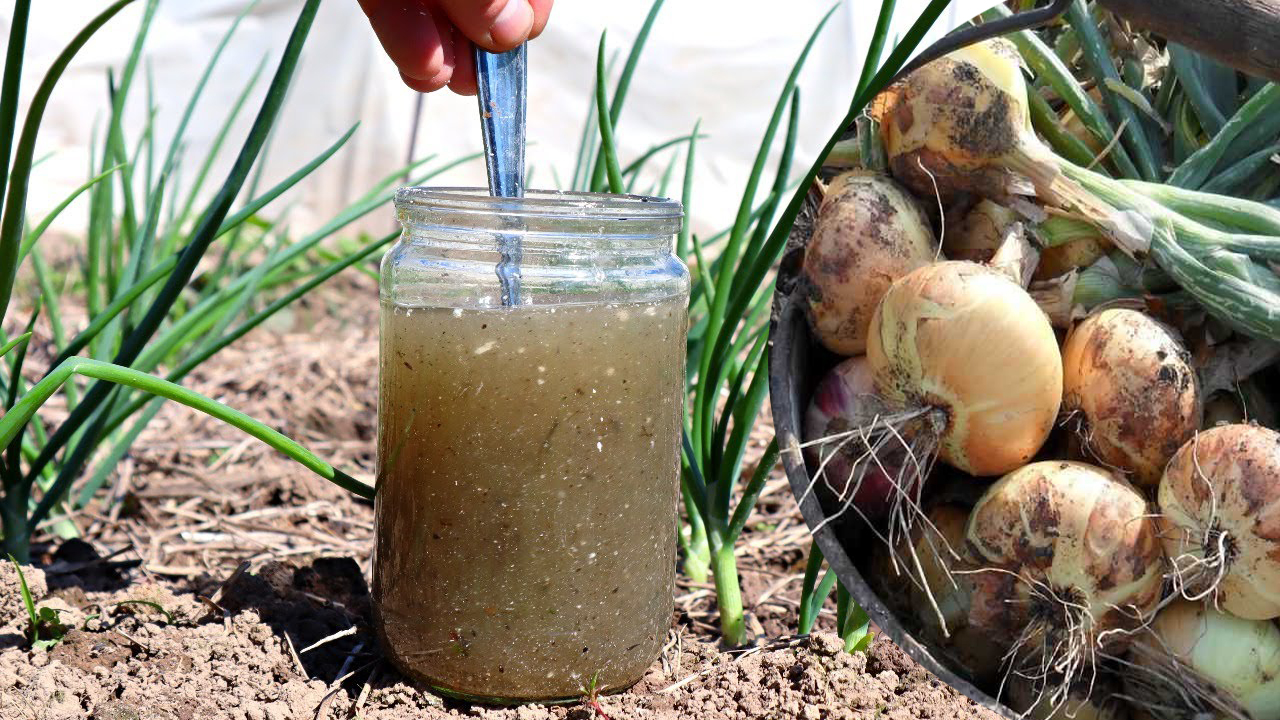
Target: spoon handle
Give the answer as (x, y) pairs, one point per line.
(501, 79)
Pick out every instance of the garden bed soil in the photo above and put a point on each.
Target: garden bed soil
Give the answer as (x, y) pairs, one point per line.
(199, 593)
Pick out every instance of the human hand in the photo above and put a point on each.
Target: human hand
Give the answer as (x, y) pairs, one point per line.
(431, 41)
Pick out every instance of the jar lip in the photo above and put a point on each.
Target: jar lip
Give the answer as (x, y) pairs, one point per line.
(541, 203)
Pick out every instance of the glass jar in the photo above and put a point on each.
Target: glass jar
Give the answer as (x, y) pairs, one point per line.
(528, 455)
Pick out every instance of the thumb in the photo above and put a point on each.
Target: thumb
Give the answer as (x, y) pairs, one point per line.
(495, 25)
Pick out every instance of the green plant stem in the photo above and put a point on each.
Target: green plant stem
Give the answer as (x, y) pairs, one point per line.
(770, 207)
(1050, 69)
(634, 167)
(36, 232)
(211, 348)
(171, 155)
(855, 624)
(811, 568)
(620, 90)
(205, 232)
(15, 205)
(1184, 63)
(878, 38)
(14, 342)
(11, 85)
(13, 422)
(842, 608)
(686, 195)
(1231, 180)
(724, 569)
(1257, 134)
(1047, 123)
(1193, 172)
(724, 317)
(1098, 58)
(608, 151)
(721, 317)
(1185, 131)
(752, 491)
(697, 553)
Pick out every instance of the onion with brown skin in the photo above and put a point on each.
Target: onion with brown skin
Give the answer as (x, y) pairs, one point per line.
(979, 235)
(962, 123)
(941, 602)
(1129, 385)
(933, 145)
(1073, 255)
(1197, 662)
(1068, 244)
(1069, 565)
(972, 363)
(868, 232)
(1094, 697)
(1219, 503)
(993, 235)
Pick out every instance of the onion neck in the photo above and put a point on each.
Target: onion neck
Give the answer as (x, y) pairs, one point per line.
(1125, 217)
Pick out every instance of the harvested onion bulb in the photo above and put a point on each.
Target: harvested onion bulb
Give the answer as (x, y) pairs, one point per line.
(843, 465)
(962, 124)
(1072, 255)
(1069, 244)
(1129, 382)
(941, 602)
(869, 232)
(980, 234)
(1089, 698)
(1069, 562)
(1217, 501)
(1200, 662)
(967, 354)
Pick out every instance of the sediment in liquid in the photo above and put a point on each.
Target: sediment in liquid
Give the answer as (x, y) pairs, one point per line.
(527, 493)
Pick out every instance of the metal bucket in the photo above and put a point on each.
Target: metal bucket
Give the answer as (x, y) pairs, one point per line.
(797, 362)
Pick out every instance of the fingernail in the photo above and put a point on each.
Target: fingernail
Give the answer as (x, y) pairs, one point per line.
(513, 24)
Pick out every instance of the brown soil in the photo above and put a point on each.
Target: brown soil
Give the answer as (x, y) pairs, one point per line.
(243, 561)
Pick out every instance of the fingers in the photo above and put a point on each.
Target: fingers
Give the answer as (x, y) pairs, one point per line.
(541, 13)
(410, 35)
(432, 42)
(495, 25)
(463, 81)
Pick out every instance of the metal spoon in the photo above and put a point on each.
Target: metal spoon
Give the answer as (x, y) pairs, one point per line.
(501, 79)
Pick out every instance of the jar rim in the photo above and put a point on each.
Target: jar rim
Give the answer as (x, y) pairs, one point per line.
(541, 203)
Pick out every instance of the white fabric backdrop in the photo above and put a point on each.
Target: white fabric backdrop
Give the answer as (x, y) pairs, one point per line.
(723, 62)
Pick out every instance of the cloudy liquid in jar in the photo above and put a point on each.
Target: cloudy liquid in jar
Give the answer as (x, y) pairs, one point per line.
(527, 494)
